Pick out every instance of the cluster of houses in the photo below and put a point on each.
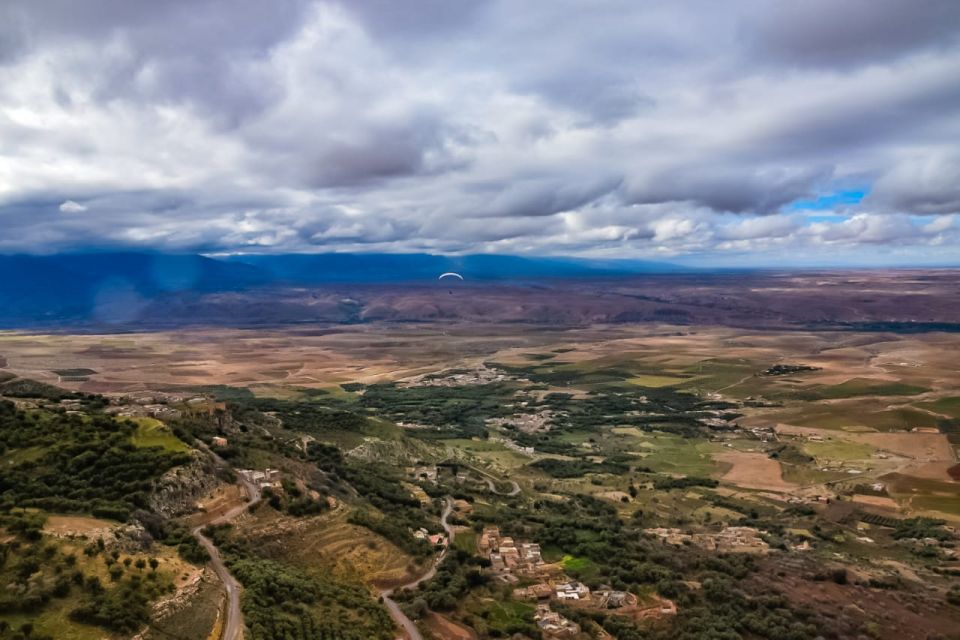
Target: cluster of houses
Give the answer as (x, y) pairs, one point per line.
(160, 405)
(512, 561)
(567, 590)
(510, 444)
(507, 558)
(729, 540)
(431, 473)
(158, 411)
(554, 625)
(536, 422)
(478, 376)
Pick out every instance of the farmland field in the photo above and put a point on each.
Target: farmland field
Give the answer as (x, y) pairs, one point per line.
(569, 438)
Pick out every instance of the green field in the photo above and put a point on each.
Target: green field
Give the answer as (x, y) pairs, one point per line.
(657, 381)
(943, 504)
(838, 450)
(16, 456)
(582, 568)
(857, 412)
(573, 563)
(153, 433)
(715, 374)
(505, 615)
(466, 540)
(55, 621)
(668, 453)
(946, 406)
(859, 387)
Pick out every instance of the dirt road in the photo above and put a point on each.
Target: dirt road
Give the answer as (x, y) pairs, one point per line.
(233, 617)
(410, 629)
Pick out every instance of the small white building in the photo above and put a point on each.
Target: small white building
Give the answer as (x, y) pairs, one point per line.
(572, 591)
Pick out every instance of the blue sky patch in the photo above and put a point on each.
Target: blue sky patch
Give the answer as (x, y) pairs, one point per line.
(843, 198)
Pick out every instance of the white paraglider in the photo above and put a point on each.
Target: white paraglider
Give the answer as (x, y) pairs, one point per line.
(450, 274)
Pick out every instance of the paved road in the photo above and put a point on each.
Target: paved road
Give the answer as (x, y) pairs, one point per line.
(233, 624)
(489, 479)
(399, 616)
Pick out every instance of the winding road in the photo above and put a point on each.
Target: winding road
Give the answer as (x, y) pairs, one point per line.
(233, 617)
(412, 633)
(490, 480)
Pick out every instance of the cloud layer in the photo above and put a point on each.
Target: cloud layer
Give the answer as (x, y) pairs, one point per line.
(700, 131)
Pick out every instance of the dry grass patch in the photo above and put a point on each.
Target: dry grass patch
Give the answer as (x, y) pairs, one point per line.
(753, 471)
(919, 446)
(877, 501)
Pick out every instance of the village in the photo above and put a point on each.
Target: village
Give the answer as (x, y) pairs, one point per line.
(521, 563)
(480, 375)
(729, 540)
(535, 422)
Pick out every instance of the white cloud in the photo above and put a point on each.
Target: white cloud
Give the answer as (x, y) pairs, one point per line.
(623, 129)
(69, 206)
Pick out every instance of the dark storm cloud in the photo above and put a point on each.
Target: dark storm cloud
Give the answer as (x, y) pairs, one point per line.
(401, 149)
(922, 185)
(828, 32)
(740, 191)
(538, 197)
(161, 29)
(609, 127)
(181, 50)
(406, 22)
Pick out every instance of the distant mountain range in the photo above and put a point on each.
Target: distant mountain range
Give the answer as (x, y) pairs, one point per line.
(115, 287)
(142, 291)
(413, 267)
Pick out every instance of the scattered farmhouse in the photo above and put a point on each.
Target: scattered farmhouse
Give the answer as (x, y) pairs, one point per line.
(610, 599)
(554, 625)
(425, 472)
(572, 590)
(539, 591)
(266, 479)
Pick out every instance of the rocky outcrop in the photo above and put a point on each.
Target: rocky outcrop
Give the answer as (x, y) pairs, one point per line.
(177, 491)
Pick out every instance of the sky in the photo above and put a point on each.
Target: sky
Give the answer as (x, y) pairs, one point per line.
(735, 133)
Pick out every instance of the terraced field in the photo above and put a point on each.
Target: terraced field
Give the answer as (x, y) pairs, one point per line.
(328, 543)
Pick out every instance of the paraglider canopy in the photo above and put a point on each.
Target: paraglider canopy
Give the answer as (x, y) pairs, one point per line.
(450, 274)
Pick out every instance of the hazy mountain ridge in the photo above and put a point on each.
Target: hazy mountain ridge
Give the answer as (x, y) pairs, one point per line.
(120, 287)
